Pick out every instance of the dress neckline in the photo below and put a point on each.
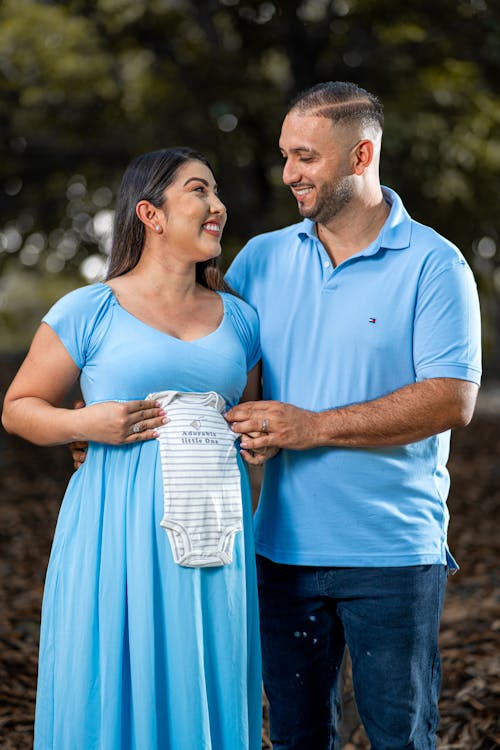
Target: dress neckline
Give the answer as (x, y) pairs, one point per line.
(164, 333)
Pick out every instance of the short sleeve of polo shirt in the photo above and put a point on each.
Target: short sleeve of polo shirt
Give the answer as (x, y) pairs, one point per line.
(447, 328)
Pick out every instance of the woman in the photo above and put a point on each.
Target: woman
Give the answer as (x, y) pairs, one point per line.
(142, 647)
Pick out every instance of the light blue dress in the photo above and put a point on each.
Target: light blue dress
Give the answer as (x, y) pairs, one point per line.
(137, 652)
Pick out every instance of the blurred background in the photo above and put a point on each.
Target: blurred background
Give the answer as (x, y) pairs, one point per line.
(85, 86)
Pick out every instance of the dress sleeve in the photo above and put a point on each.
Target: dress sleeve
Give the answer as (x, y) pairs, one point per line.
(79, 320)
(447, 331)
(246, 324)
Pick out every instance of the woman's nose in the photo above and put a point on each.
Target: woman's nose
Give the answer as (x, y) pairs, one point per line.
(218, 206)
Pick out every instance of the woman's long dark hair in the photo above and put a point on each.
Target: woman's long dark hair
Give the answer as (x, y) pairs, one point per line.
(146, 178)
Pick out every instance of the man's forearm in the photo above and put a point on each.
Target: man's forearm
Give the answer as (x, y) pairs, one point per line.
(409, 414)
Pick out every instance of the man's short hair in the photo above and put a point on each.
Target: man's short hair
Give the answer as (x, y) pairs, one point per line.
(341, 102)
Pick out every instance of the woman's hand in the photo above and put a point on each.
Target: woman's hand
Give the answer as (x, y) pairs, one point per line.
(258, 456)
(117, 423)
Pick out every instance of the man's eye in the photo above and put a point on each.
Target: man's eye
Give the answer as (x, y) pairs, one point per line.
(305, 158)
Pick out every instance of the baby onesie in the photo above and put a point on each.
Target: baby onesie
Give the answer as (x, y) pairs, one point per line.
(201, 479)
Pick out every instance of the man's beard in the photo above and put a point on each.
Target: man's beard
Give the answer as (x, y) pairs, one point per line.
(330, 201)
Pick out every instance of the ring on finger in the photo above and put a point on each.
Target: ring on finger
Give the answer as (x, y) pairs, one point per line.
(136, 428)
(264, 426)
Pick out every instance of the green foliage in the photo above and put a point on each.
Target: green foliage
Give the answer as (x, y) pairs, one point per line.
(85, 86)
(24, 300)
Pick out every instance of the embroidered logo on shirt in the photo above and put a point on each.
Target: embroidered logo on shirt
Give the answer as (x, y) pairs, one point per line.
(372, 320)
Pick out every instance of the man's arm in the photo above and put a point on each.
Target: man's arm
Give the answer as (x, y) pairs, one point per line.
(411, 413)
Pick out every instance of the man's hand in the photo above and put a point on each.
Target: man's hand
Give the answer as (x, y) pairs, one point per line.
(78, 449)
(272, 424)
(78, 453)
(411, 413)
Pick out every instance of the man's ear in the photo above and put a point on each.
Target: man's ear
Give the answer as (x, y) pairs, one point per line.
(362, 156)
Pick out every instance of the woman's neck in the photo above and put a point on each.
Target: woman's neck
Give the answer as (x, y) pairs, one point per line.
(165, 279)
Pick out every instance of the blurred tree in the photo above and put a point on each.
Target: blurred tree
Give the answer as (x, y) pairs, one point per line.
(85, 86)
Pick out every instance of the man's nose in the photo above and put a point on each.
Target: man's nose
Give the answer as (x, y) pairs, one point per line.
(290, 173)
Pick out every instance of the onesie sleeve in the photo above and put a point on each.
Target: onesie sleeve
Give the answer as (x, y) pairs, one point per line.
(246, 324)
(79, 320)
(447, 330)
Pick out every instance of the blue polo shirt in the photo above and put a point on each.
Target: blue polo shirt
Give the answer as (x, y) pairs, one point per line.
(402, 310)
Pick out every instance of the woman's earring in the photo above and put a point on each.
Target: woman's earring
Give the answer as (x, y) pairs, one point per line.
(158, 228)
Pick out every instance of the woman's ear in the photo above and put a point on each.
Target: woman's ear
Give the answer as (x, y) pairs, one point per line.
(150, 216)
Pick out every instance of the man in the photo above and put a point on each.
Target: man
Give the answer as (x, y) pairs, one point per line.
(370, 354)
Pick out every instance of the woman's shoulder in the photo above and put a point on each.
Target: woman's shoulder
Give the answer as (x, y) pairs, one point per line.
(82, 308)
(83, 301)
(245, 323)
(81, 319)
(239, 307)
(83, 295)
(243, 317)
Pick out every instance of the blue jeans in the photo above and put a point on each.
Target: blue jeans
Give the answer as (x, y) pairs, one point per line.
(389, 619)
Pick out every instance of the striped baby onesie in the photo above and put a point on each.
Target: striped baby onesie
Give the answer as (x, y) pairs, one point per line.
(201, 479)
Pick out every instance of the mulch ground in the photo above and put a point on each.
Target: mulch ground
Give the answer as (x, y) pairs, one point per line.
(32, 481)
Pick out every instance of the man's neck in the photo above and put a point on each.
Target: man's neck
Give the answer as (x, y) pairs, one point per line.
(353, 229)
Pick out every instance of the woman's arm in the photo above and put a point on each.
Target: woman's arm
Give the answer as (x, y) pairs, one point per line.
(253, 388)
(253, 392)
(32, 404)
